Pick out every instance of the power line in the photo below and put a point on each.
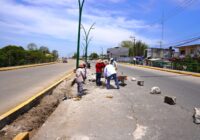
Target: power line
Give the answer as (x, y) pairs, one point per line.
(192, 40)
(191, 36)
(174, 12)
(180, 9)
(183, 42)
(177, 10)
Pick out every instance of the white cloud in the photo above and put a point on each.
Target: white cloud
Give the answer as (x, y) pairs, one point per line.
(61, 23)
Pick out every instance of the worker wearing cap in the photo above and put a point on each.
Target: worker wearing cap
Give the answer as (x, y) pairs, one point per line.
(80, 76)
(113, 62)
(110, 73)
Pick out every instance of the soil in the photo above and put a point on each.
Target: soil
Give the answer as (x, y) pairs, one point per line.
(35, 117)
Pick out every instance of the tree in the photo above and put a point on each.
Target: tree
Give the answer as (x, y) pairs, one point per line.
(74, 56)
(55, 54)
(94, 56)
(44, 49)
(16, 55)
(12, 55)
(135, 50)
(32, 47)
(127, 44)
(140, 48)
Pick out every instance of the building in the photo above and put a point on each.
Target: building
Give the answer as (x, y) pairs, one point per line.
(118, 53)
(158, 53)
(189, 50)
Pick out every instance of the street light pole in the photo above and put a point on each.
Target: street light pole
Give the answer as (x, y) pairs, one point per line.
(87, 39)
(79, 33)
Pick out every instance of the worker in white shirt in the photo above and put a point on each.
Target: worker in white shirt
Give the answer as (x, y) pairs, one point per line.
(110, 73)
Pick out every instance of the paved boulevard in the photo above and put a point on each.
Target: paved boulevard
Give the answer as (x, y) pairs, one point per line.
(18, 85)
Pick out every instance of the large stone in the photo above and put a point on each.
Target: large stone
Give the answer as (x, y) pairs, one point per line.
(92, 78)
(133, 79)
(155, 90)
(197, 115)
(140, 83)
(170, 100)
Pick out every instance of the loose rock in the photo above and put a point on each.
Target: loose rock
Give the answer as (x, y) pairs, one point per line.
(155, 90)
(170, 100)
(92, 78)
(109, 96)
(197, 115)
(133, 79)
(140, 83)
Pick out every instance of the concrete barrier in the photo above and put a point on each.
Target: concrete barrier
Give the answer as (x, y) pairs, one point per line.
(12, 114)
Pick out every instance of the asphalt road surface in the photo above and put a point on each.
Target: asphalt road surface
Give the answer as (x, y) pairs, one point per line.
(17, 86)
(132, 113)
(156, 120)
(185, 88)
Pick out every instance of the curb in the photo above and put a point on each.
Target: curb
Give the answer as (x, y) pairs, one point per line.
(166, 70)
(22, 136)
(25, 66)
(12, 114)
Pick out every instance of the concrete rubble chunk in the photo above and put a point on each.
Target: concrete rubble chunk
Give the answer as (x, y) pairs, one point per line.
(140, 83)
(133, 79)
(170, 100)
(155, 90)
(92, 78)
(196, 115)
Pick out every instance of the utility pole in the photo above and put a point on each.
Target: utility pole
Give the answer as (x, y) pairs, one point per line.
(87, 39)
(79, 33)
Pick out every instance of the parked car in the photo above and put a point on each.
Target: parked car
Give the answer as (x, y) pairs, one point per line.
(64, 60)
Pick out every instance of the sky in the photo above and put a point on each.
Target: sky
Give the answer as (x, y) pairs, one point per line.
(54, 23)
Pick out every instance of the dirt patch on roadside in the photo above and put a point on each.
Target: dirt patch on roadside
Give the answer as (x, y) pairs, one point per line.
(35, 117)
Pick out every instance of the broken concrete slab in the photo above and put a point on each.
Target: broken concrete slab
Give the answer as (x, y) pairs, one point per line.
(155, 90)
(170, 100)
(196, 115)
(140, 83)
(133, 79)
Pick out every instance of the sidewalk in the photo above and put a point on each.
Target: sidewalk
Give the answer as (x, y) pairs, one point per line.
(99, 115)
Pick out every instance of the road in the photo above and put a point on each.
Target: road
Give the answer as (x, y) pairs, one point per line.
(130, 113)
(156, 120)
(185, 88)
(18, 85)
